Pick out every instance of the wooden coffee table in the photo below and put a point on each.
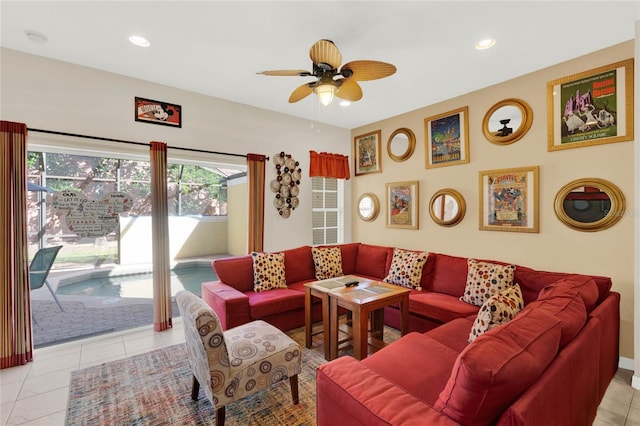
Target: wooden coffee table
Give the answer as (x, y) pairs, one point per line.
(367, 299)
(321, 289)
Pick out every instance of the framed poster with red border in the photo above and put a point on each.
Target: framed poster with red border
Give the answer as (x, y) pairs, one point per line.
(157, 112)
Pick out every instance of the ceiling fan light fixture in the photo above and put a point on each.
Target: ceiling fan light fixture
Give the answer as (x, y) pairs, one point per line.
(139, 41)
(325, 93)
(485, 44)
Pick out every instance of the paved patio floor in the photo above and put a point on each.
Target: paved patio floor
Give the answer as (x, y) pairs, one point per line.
(81, 319)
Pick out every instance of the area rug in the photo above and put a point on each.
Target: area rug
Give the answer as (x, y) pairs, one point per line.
(155, 389)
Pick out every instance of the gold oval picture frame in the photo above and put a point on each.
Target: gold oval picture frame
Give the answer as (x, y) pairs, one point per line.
(447, 207)
(368, 207)
(507, 121)
(590, 204)
(402, 139)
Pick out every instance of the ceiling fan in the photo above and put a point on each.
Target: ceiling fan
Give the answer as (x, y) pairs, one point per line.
(330, 81)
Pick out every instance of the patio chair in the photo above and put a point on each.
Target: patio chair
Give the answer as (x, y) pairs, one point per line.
(40, 267)
(235, 363)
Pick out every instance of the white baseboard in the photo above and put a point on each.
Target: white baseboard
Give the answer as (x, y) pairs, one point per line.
(626, 363)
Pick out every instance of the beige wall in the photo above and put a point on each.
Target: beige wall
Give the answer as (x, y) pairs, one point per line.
(555, 247)
(238, 222)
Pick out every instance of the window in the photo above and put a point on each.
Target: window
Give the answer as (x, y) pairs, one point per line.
(192, 191)
(327, 210)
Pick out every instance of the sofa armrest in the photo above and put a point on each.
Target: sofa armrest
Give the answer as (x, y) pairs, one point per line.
(347, 392)
(230, 304)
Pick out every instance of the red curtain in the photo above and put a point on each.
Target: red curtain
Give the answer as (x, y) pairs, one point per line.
(255, 178)
(329, 165)
(160, 238)
(16, 344)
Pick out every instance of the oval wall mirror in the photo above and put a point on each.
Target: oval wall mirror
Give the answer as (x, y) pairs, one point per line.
(507, 121)
(401, 144)
(368, 207)
(447, 207)
(590, 204)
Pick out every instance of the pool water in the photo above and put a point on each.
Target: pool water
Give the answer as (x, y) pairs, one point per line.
(139, 285)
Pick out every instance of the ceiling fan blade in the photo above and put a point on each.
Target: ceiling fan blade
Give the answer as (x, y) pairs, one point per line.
(300, 93)
(325, 52)
(367, 70)
(285, 73)
(349, 90)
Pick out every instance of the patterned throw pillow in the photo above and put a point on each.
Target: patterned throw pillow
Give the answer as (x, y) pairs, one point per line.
(406, 268)
(485, 279)
(327, 262)
(268, 271)
(498, 309)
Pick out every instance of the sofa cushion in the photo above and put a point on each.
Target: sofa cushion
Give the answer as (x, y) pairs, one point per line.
(584, 285)
(327, 262)
(532, 281)
(372, 260)
(268, 271)
(298, 264)
(439, 307)
(498, 309)
(449, 275)
(349, 257)
(565, 304)
(397, 363)
(235, 271)
(406, 268)
(274, 302)
(453, 334)
(484, 279)
(498, 366)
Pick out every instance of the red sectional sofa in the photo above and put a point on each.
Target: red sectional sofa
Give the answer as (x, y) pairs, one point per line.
(550, 365)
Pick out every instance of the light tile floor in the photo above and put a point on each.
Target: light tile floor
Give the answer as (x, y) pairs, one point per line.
(36, 393)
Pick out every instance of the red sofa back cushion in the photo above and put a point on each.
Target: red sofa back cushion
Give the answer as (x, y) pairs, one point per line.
(498, 366)
(449, 274)
(373, 261)
(235, 271)
(532, 282)
(566, 305)
(585, 286)
(298, 265)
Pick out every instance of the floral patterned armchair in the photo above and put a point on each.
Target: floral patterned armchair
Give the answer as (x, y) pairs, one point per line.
(237, 362)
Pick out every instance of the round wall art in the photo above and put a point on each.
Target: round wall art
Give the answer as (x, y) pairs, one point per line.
(286, 185)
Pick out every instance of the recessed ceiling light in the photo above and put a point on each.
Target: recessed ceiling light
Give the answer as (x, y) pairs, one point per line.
(485, 44)
(139, 41)
(344, 103)
(36, 36)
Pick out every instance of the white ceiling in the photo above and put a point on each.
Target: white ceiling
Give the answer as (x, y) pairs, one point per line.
(216, 47)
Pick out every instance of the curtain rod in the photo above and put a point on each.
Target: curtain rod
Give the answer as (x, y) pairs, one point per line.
(52, 132)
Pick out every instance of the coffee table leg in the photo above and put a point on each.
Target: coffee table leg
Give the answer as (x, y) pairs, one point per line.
(333, 329)
(360, 333)
(404, 306)
(326, 325)
(377, 324)
(308, 318)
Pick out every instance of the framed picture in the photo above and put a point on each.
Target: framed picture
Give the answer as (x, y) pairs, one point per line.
(509, 199)
(367, 153)
(446, 138)
(402, 205)
(591, 108)
(157, 112)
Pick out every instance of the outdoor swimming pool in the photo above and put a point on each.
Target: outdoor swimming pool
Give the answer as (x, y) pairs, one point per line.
(135, 285)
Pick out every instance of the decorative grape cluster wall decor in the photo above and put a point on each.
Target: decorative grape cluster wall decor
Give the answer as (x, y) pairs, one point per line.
(286, 185)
